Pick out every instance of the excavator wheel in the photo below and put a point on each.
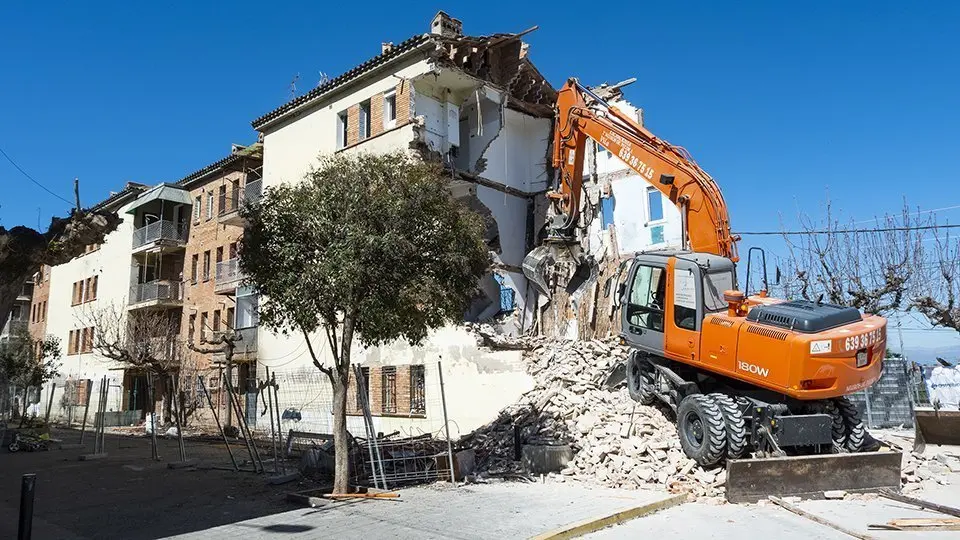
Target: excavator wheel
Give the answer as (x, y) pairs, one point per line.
(735, 424)
(838, 427)
(703, 433)
(856, 433)
(639, 380)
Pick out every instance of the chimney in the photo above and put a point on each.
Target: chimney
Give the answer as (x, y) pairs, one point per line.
(446, 26)
(386, 47)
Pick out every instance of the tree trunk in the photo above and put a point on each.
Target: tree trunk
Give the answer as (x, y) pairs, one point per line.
(341, 479)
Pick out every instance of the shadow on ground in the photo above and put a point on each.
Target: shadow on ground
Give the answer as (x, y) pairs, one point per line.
(127, 495)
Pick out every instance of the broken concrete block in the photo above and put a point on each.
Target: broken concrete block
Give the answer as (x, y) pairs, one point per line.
(834, 494)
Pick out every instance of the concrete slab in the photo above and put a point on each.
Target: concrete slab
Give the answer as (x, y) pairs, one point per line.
(502, 510)
(706, 522)
(857, 515)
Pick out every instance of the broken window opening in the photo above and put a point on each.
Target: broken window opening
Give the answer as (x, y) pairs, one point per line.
(418, 396)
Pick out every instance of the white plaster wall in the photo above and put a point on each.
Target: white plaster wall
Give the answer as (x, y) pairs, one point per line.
(478, 383)
(112, 263)
(291, 149)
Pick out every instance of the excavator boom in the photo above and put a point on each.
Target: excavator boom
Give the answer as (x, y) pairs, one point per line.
(583, 115)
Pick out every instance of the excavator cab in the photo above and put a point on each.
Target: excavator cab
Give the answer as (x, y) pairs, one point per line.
(666, 296)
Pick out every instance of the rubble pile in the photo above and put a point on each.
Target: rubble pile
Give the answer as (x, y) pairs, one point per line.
(920, 470)
(616, 441)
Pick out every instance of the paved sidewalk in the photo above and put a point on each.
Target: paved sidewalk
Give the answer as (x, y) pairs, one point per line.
(502, 510)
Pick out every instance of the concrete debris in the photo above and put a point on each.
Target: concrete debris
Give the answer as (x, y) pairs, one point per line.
(616, 441)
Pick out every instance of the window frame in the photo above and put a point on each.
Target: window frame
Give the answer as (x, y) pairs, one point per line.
(389, 110)
(343, 129)
(388, 390)
(418, 392)
(364, 115)
(646, 310)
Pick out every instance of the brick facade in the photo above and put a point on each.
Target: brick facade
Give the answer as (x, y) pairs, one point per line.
(402, 112)
(376, 380)
(404, 105)
(208, 237)
(39, 307)
(353, 124)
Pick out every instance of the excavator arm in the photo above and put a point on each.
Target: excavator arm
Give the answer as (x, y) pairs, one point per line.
(582, 115)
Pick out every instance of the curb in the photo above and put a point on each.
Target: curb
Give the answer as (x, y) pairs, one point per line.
(595, 524)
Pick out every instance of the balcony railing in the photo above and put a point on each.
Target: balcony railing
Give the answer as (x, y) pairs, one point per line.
(253, 191)
(231, 200)
(228, 270)
(160, 291)
(159, 230)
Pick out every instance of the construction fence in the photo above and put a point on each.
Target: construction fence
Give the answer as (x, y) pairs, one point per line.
(889, 403)
(396, 418)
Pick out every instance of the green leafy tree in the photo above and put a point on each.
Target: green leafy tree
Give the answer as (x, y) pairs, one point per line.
(368, 248)
(28, 363)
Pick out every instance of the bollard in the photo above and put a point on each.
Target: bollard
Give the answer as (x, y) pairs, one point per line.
(25, 527)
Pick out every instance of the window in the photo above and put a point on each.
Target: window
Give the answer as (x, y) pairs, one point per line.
(247, 308)
(342, 125)
(93, 287)
(228, 320)
(713, 287)
(194, 264)
(206, 265)
(364, 126)
(70, 347)
(645, 305)
(87, 344)
(222, 200)
(220, 254)
(233, 250)
(203, 325)
(389, 111)
(216, 321)
(75, 298)
(44, 310)
(655, 202)
(209, 204)
(16, 312)
(388, 377)
(196, 208)
(363, 387)
(685, 298)
(192, 327)
(418, 382)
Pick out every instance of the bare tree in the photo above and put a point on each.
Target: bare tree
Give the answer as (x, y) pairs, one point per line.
(147, 340)
(893, 264)
(867, 266)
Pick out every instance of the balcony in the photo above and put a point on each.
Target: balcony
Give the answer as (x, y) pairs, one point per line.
(161, 234)
(157, 294)
(228, 276)
(14, 326)
(229, 204)
(244, 350)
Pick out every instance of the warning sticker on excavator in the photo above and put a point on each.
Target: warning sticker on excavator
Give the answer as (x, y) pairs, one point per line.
(684, 288)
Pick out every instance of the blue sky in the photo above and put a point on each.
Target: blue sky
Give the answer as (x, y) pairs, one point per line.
(784, 104)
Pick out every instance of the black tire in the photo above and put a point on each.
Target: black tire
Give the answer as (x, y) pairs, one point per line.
(639, 380)
(14, 447)
(734, 423)
(856, 433)
(703, 433)
(838, 428)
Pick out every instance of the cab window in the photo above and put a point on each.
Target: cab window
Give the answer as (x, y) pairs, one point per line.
(713, 287)
(645, 304)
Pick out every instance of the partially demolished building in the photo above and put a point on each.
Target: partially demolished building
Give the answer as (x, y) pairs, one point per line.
(479, 106)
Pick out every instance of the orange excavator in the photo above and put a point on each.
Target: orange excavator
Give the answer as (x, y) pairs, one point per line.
(746, 375)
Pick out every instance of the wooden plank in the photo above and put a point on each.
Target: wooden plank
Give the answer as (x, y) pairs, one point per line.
(750, 480)
(926, 524)
(948, 510)
(817, 519)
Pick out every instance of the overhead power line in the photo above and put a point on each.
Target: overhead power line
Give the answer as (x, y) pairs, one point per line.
(847, 231)
(32, 179)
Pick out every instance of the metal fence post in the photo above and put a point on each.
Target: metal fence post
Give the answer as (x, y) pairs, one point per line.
(446, 424)
(27, 489)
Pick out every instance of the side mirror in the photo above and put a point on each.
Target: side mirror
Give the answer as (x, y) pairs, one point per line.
(621, 292)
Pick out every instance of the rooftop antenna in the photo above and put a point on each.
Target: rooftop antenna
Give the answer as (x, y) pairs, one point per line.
(324, 79)
(293, 86)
